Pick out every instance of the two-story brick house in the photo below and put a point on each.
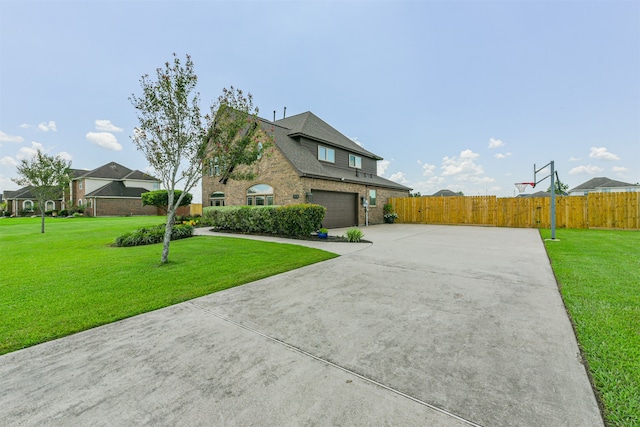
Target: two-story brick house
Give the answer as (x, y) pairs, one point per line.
(109, 190)
(311, 163)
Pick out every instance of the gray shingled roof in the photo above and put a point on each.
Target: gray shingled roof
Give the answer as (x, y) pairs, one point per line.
(117, 189)
(445, 193)
(309, 125)
(114, 171)
(601, 182)
(307, 164)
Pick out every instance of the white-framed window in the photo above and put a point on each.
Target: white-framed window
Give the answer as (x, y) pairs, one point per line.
(326, 154)
(260, 195)
(79, 185)
(27, 205)
(355, 161)
(373, 196)
(216, 199)
(80, 203)
(49, 205)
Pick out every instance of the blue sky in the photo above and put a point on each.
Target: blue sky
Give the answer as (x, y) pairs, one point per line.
(464, 95)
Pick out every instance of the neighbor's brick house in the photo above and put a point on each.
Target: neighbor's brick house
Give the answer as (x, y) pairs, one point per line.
(311, 163)
(109, 190)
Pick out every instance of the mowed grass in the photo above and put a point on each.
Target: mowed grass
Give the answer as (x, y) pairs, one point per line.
(70, 279)
(599, 276)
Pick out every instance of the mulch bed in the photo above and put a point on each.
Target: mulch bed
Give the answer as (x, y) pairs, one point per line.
(313, 237)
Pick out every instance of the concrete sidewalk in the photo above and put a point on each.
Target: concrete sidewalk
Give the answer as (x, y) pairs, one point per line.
(429, 325)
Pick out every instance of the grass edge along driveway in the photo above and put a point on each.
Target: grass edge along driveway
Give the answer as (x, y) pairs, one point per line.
(70, 279)
(598, 272)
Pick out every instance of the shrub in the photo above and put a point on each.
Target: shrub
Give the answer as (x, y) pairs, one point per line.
(354, 235)
(292, 220)
(64, 212)
(152, 235)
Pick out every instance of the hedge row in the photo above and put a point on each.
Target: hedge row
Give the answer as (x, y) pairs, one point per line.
(292, 220)
(151, 235)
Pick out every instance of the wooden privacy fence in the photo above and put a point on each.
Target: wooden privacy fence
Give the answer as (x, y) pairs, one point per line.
(596, 210)
(195, 209)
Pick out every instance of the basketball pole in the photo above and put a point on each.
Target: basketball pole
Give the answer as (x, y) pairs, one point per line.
(553, 194)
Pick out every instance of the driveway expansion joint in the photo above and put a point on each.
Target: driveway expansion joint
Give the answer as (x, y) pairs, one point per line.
(332, 364)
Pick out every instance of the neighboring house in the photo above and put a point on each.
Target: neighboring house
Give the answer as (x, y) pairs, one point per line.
(603, 185)
(446, 193)
(22, 200)
(110, 190)
(311, 163)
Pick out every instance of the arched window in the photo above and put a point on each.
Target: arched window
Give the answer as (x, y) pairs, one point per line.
(80, 203)
(216, 198)
(27, 205)
(260, 195)
(49, 205)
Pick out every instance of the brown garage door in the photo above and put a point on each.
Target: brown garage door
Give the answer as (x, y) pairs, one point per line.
(342, 208)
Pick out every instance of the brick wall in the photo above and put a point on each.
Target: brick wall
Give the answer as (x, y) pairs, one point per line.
(119, 207)
(276, 171)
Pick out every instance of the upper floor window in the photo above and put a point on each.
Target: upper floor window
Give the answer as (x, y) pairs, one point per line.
(355, 161)
(326, 154)
(80, 185)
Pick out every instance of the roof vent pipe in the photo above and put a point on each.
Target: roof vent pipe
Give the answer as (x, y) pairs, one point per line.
(284, 115)
(274, 115)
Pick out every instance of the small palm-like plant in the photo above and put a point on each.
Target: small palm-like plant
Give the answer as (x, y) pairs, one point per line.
(354, 235)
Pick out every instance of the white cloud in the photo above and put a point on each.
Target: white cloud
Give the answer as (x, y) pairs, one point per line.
(10, 138)
(502, 155)
(107, 126)
(8, 161)
(46, 127)
(462, 166)
(495, 143)
(28, 152)
(427, 169)
(65, 156)
(399, 177)
(602, 153)
(105, 140)
(574, 159)
(382, 166)
(585, 169)
(620, 169)
(25, 126)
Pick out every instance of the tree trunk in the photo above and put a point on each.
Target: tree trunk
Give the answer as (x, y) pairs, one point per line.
(42, 214)
(167, 236)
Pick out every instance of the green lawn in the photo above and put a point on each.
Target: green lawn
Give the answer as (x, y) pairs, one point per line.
(599, 276)
(70, 278)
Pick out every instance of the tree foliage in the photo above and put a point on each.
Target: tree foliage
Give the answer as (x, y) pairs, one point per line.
(561, 187)
(176, 139)
(160, 198)
(235, 137)
(46, 175)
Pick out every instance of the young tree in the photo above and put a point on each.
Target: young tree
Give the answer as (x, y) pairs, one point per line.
(160, 199)
(47, 175)
(561, 187)
(174, 136)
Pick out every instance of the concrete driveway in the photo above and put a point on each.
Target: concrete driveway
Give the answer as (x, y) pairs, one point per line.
(427, 326)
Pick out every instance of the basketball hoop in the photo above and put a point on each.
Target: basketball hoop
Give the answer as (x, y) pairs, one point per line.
(522, 185)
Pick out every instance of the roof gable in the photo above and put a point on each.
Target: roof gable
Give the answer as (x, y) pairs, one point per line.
(306, 163)
(110, 170)
(311, 126)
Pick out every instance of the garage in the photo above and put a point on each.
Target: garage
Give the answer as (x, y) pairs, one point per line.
(342, 208)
